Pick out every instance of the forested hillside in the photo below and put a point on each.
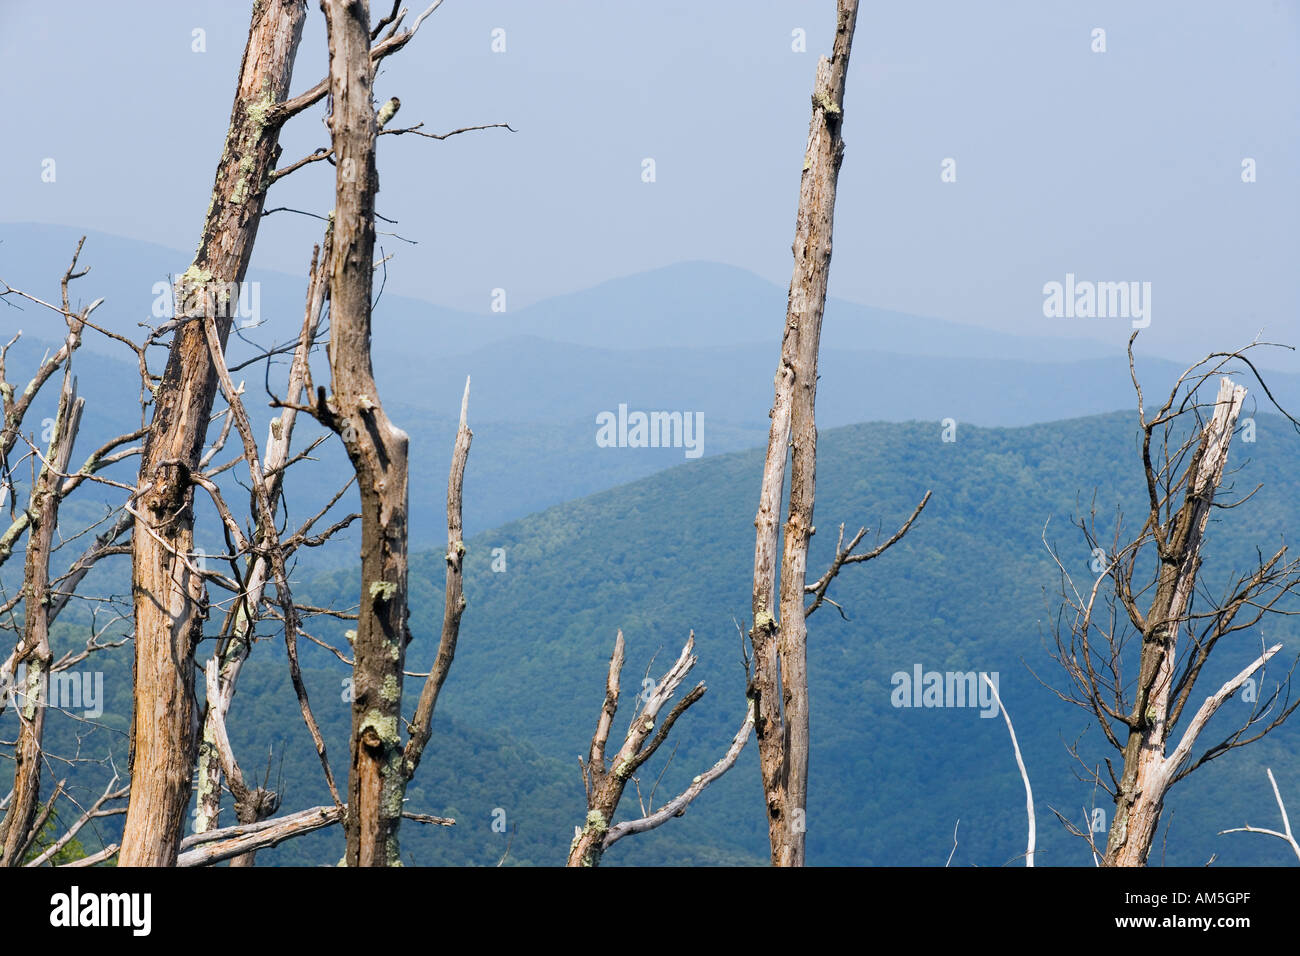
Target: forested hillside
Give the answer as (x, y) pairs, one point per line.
(971, 588)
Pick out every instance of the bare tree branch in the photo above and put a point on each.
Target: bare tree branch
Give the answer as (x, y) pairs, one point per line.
(1285, 835)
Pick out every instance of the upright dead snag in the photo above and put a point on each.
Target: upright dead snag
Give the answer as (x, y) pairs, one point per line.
(168, 590)
(381, 766)
(16, 828)
(1147, 772)
(779, 686)
(1159, 569)
(1148, 769)
(376, 447)
(43, 596)
(605, 780)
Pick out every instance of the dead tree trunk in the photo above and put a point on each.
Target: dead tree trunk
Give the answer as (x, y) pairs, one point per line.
(376, 447)
(605, 782)
(16, 828)
(780, 680)
(1178, 620)
(1147, 771)
(168, 590)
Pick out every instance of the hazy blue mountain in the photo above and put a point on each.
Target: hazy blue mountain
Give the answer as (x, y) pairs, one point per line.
(541, 381)
(696, 338)
(682, 307)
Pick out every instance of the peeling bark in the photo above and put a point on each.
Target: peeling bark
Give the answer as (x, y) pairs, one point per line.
(605, 784)
(168, 592)
(17, 829)
(779, 686)
(377, 449)
(1147, 772)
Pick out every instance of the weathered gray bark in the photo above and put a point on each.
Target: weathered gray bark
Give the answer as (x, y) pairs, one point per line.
(605, 784)
(1148, 772)
(376, 447)
(215, 757)
(380, 766)
(453, 598)
(16, 829)
(232, 843)
(779, 685)
(1135, 598)
(168, 591)
(43, 596)
(605, 780)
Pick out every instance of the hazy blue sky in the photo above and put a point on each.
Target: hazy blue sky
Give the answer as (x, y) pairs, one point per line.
(1122, 165)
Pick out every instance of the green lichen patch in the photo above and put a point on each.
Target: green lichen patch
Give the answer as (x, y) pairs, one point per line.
(34, 689)
(195, 276)
(384, 725)
(822, 100)
(259, 109)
